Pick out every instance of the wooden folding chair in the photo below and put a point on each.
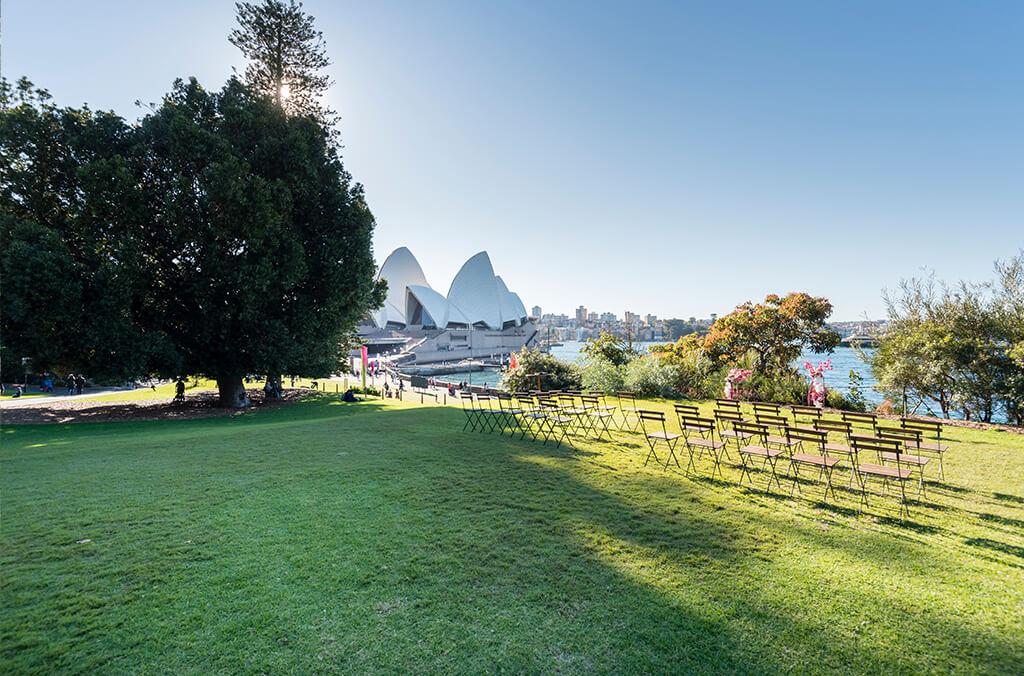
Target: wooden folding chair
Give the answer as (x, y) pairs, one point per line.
(655, 431)
(598, 415)
(911, 440)
(865, 420)
(699, 435)
(842, 431)
(687, 409)
(727, 405)
(577, 412)
(933, 446)
(726, 421)
(805, 414)
(760, 449)
(777, 427)
(878, 470)
(558, 424)
(512, 416)
(469, 407)
(490, 416)
(604, 406)
(628, 410)
(810, 451)
(766, 408)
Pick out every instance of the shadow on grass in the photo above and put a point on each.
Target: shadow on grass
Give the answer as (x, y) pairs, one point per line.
(1002, 547)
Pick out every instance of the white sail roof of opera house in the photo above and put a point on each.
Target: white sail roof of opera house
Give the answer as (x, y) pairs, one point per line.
(427, 307)
(475, 291)
(401, 270)
(476, 297)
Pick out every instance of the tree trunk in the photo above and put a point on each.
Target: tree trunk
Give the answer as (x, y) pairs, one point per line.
(232, 392)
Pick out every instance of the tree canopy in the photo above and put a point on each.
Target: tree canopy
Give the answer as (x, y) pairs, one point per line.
(220, 236)
(775, 331)
(286, 54)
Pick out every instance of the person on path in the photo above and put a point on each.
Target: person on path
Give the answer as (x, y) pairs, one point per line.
(179, 390)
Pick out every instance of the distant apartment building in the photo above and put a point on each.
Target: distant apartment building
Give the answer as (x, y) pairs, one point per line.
(650, 320)
(581, 315)
(630, 318)
(535, 312)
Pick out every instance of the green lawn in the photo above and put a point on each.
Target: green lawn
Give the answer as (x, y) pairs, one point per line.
(378, 537)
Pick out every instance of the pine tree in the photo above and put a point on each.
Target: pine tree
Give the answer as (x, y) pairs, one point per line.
(286, 55)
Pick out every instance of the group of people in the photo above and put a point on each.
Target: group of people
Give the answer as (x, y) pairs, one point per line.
(75, 382)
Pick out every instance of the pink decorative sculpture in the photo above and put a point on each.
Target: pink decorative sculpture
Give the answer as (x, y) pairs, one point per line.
(733, 380)
(817, 393)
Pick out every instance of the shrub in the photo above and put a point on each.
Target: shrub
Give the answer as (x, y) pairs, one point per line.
(602, 375)
(783, 387)
(555, 374)
(651, 376)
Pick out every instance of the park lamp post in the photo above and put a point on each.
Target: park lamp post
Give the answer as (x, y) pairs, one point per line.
(25, 361)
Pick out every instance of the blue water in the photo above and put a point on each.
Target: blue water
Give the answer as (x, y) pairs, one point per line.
(844, 359)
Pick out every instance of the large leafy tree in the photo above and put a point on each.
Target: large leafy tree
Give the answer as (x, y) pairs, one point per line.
(260, 238)
(219, 237)
(72, 226)
(286, 54)
(774, 332)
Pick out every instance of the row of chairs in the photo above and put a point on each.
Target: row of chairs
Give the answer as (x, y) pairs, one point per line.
(770, 439)
(919, 436)
(768, 434)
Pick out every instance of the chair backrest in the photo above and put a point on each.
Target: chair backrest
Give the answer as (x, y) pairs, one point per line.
(727, 404)
(728, 417)
(549, 403)
(834, 426)
(567, 399)
(651, 421)
(778, 421)
(909, 437)
(694, 423)
(628, 397)
(812, 412)
(766, 407)
(814, 439)
(862, 443)
(756, 429)
(863, 419)
(926, 426)
(589, 400)
(687, 409)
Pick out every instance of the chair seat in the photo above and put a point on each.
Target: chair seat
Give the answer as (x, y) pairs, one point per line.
(885, 471)
(761, 451)
(560, 419)
(733, 434)
(776, 439)
(667, 436)
(601, 414)
(630, 409)
(839, 448)
(818, 460)
(932, 446)
(904, 458)
(705, 443)
(536, 415)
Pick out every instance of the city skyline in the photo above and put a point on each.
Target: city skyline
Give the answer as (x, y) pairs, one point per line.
(681, 159)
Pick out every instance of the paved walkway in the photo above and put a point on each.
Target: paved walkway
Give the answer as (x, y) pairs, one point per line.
(22, 402)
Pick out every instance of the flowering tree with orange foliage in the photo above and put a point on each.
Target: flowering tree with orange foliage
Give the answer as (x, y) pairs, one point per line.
(774, 332)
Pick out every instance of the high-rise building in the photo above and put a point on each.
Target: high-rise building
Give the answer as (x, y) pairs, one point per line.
(581, 315)
(535, 312)
(630, 318)
(650, 320)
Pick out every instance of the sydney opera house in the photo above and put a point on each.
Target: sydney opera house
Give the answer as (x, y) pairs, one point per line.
(479, 318)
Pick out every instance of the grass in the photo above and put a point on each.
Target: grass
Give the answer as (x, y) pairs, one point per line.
(378, 537)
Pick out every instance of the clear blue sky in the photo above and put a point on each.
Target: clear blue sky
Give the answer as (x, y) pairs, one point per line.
(674, 158)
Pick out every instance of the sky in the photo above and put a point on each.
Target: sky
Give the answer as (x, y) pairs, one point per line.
(667, 158)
